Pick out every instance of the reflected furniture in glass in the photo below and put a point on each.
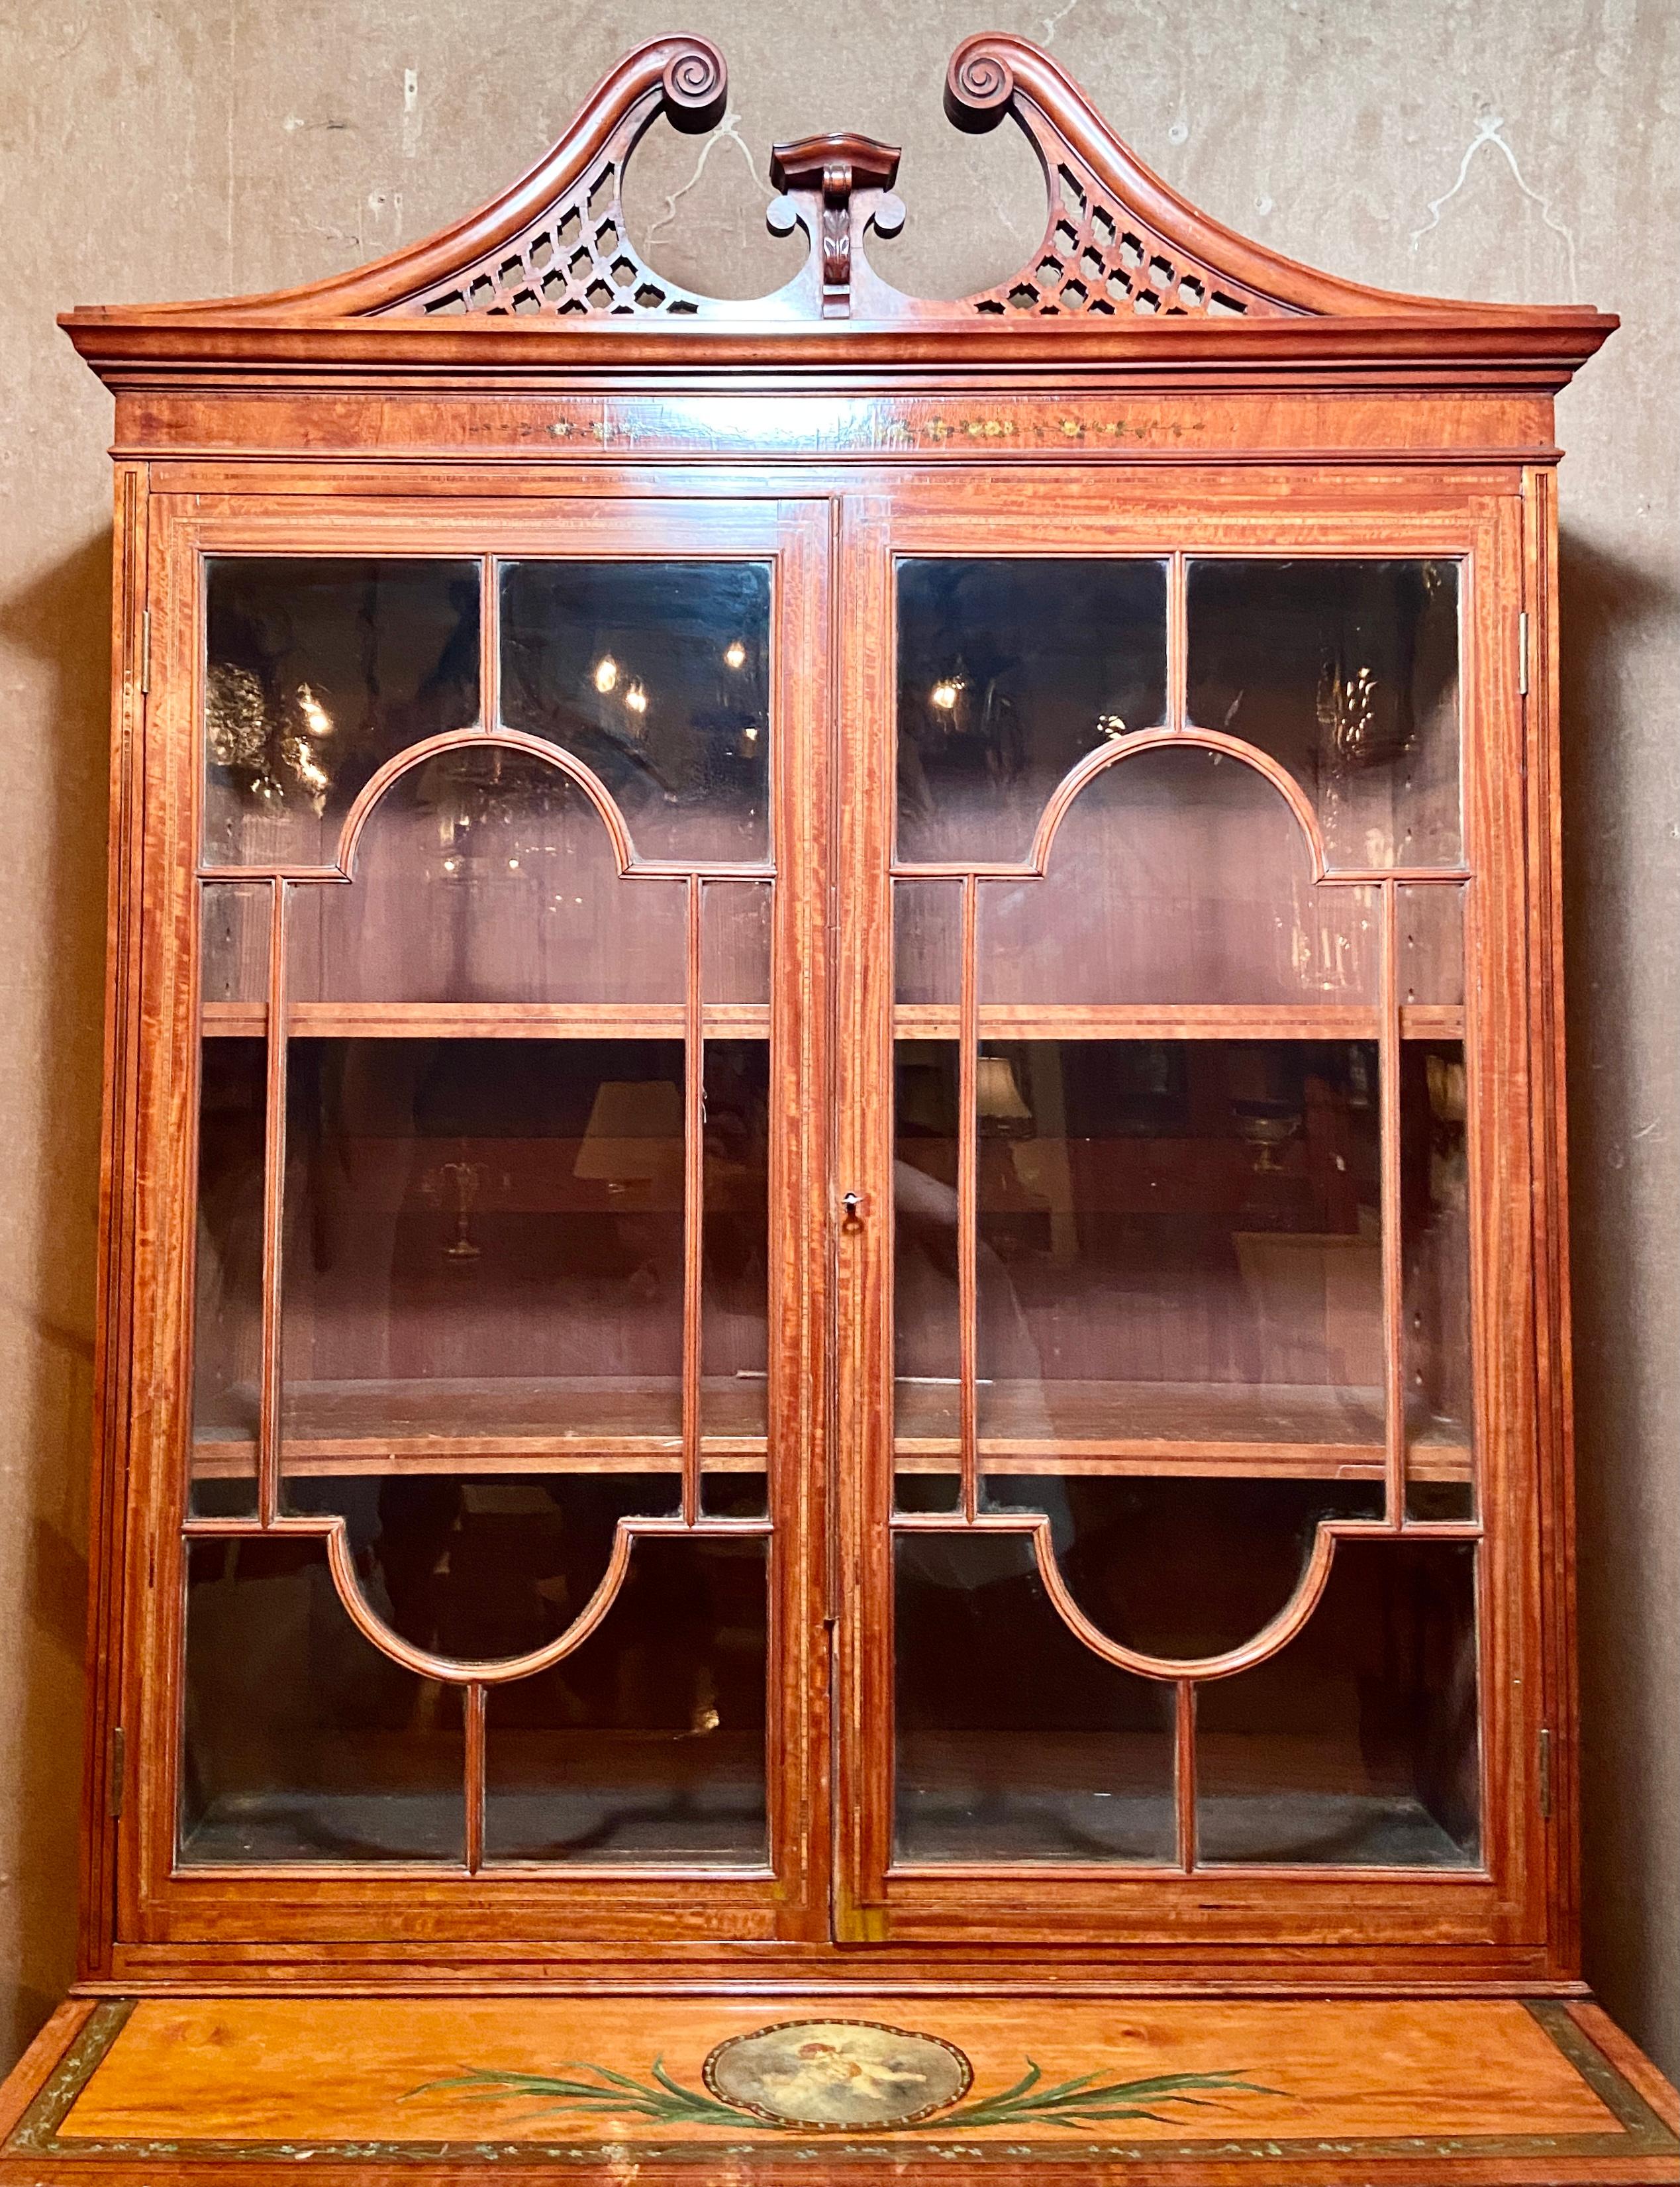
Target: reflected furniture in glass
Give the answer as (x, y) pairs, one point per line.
(833, 1199)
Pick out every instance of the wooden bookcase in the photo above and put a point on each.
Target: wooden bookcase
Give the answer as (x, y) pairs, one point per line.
(834, 1196)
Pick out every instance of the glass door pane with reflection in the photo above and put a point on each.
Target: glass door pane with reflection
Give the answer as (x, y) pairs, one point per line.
(520, 1252)
(1181, 1266)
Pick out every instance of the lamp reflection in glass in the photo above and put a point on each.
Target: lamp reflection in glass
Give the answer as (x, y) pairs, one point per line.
(316, 719)
(458, 1185)
(734, 655)
(308, 770)
(999, 1099)
(477, 803)
(465, 1176)
(636, 699)
(1267, 1127)
(1449, 1093)
(1016, 1217)
(633, 1140)
(606, 673)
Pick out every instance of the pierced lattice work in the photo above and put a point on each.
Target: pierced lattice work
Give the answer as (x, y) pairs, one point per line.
(575, 261)
(1101, 261)
(1109, 249)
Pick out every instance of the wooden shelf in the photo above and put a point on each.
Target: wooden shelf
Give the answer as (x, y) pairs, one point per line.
(1178, 1021)
(1220, 1431)
(487, 1021)
(751, 1022)
(493, 1424)
(375, 1021)
(514, 1425)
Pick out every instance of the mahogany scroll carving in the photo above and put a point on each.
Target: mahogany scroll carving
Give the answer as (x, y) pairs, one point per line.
(1117, 242)
(833, 183)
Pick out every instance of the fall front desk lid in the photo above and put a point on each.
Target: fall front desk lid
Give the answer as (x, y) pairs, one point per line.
(849, 2087)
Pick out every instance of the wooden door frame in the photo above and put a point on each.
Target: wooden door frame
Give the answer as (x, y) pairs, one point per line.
(322, 1913)
(1379, 1918)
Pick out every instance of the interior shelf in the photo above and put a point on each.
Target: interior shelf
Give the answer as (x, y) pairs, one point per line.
(1177, 1021)
(511, 1424)
(491, 1424)
(488, 1020)
(446, 1020)
(1218, 1429)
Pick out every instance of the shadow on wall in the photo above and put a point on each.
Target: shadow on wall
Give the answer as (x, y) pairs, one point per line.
(61, 623)
(1605, 604)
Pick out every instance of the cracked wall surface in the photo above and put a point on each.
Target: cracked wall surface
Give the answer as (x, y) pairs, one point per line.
(175, 148)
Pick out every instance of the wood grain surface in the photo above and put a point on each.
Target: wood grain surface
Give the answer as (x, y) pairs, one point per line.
(349, 2069)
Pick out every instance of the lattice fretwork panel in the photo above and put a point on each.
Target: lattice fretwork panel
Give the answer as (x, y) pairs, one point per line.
(1098, 260)
(574, 262)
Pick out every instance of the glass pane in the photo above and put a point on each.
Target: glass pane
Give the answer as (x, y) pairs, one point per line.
(1180, 1262)
(927, 942)
(228, 1272)
(228, 1249)
(1186, 1564)
(657, 676)
(478, 1560)
(303, 1742)
(317, 671)
(1429, 929)
(1346, 672)
(924, 1275)
(1356, 1743)
(927, 971)
(485, 876)
(736, 933)
(735, 1278)
(1179, 876)
(234, 959)
(483, 1256)
(648, 1743)
(1009, 670)
(1435, 1196)
(1014, 1742)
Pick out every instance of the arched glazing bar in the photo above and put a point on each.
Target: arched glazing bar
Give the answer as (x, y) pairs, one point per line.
(973, 1017)
(293, 890)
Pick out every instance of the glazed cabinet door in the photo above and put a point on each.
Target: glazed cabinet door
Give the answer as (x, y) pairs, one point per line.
(1185, 1369)
(477, 1493)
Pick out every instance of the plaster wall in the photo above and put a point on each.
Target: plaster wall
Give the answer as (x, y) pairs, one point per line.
(1511, 148)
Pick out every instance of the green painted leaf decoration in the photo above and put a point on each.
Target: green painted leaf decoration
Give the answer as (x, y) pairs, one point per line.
(1087, 2100)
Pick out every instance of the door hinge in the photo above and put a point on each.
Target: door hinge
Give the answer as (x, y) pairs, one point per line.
(1544, 1772)
(145, 650)
(1522, 654)
(114, 1774)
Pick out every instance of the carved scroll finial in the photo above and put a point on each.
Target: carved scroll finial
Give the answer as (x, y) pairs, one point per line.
(979, 86)
(696, 86)
(835, 184)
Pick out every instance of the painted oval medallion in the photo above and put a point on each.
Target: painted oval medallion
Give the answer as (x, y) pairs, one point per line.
(830, 2075)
